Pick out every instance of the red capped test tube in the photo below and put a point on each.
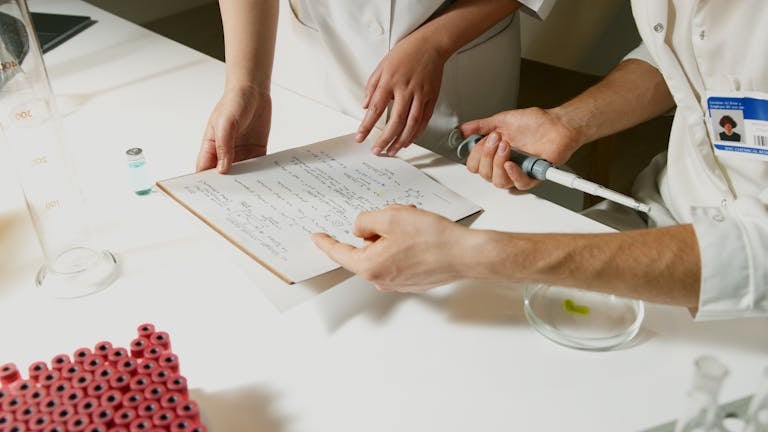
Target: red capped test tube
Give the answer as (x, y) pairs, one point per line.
(161, 338)
(137, 347)
(55, 427)
(59, 360)
(171, 400)
(188, 409)
(9, 374)
(163, 418)
(72, 396)
(81, 354)
(178, 383)
(39, 421)
(36, 369)
(132, 399)
(124, 416)
(169, 361)
(69, 370)
(120, 381)
(112, 398)
(78, 423)
(103, 415)
(102, 348)
(87, 406)
(116, 355)
(145, 330)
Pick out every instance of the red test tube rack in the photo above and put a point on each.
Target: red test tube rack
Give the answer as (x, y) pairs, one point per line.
(103, 388)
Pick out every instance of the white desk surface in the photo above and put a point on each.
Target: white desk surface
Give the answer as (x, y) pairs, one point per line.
(460, 358)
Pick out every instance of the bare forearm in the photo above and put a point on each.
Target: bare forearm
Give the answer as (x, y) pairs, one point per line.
(464, 21)
(250, 28)
(660, 265)
(630, 94)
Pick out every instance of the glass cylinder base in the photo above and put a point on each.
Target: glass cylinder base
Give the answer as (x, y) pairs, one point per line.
(78, 272)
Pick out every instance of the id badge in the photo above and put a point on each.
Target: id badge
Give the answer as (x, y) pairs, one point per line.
(738, 123)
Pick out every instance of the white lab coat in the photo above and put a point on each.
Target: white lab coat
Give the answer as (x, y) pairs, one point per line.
(344, 40)
(702, 46)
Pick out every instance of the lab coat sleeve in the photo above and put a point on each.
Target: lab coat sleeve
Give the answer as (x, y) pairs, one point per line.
(641, 53)
(539, 9)
(733, 247)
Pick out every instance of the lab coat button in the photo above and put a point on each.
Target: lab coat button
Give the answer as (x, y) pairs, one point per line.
(658, 28)
(375, 28)
(702, 34)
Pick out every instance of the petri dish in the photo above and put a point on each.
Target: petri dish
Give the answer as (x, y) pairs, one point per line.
(582, 319)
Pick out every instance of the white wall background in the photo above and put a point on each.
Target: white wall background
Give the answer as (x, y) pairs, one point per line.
(589, 36)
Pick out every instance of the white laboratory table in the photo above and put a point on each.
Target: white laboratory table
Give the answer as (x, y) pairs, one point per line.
(348, 358)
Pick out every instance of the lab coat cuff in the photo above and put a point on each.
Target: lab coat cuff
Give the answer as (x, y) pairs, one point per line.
(730, 269)
(641, 53)
(538, 9)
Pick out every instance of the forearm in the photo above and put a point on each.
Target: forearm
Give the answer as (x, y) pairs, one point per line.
(250, 28)
(659, 265)
(462, 22)
(630, 94)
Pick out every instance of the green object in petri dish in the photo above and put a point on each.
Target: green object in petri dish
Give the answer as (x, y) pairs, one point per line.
(570, 306)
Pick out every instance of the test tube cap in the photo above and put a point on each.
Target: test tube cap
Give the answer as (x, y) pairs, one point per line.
(132, 399)
(137, 347)
(82, 380)
(148, 408)
(77, 423)
(70, 370)
(59, 360)
(120, 381)
(103, 415)
(124, 416)
(97, 388)
(161, 338)
(8, 374)
(72, 396)
(116, 355)
(102, 348)
(134, 151)
(163, 418)
(39, 421)
(112, 398)
(36, 369)
(88, 405)
(146, 329)
(81, 354)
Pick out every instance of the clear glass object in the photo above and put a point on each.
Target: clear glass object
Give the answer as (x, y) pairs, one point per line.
(31, 131)
(582, 319)
(757, 412)
(140, 180)
(702, 410)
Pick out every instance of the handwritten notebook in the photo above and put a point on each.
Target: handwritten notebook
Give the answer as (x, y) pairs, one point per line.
(269, 206)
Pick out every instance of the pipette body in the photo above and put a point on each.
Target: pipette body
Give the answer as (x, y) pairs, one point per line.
(542, 169)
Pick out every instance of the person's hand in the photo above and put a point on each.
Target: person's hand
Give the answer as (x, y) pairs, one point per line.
(237, 129)
(533, 130)
(410, 75)
(406, 249)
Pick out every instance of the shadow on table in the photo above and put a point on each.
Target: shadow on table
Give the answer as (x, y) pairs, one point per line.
(470, 302)
(244, 409)
(675, 323)
(13, 229)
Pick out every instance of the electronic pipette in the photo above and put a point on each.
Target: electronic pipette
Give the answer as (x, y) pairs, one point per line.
(542, 169)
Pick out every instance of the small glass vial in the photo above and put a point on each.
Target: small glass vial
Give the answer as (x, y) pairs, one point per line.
(140, 180)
